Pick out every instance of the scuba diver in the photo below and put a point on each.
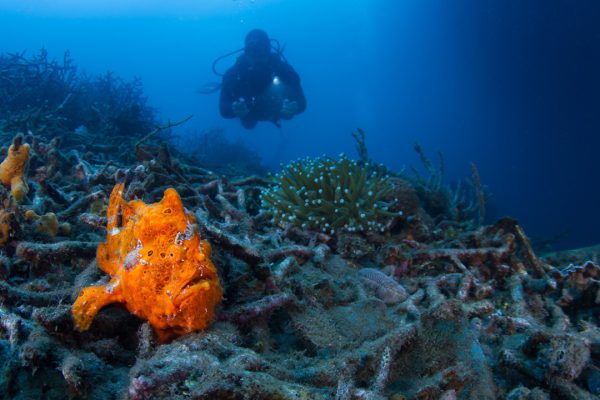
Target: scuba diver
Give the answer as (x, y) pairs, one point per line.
(261, 85)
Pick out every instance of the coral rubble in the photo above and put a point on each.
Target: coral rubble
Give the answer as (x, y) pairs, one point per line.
(430, 308)
(429, 304)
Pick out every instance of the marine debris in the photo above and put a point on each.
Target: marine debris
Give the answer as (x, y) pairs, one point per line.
(432, 307)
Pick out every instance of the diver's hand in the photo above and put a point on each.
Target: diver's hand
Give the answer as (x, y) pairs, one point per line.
(288, 109)
(240, 108)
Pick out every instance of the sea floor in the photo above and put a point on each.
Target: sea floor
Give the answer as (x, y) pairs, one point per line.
(430, 309)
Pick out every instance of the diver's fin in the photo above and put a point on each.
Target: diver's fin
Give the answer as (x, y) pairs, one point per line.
(209, 88)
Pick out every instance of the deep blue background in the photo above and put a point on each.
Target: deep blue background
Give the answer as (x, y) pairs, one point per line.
(512, 86)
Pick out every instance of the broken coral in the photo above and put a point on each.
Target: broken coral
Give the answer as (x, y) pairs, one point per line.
(161, 269)
(13, 168)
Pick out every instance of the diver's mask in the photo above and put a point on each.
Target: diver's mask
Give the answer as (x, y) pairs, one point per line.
(258, 49)
(257, 46)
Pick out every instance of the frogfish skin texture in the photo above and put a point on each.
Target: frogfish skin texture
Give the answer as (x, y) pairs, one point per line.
(160, 268)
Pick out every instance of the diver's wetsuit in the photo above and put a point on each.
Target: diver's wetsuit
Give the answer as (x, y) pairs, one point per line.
(263, 86)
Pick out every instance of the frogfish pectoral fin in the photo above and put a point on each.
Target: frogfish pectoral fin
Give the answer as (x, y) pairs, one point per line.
(89, 302)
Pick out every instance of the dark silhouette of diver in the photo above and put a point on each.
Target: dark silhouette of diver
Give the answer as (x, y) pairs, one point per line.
(261, 85)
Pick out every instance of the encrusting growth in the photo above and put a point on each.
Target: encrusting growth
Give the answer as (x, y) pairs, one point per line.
(48, 223)
(12, 169)
(161, 269)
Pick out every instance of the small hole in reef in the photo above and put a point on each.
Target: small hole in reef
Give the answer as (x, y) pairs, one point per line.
(150, 252)
(163, 255)
(167, 211)
(171, 254)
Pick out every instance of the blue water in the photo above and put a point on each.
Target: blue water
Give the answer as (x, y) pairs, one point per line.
(512, 86)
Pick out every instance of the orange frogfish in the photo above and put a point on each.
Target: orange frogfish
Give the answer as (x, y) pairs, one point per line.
(160, 268)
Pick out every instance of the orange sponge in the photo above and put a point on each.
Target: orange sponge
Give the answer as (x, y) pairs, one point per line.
(12, 169)
(160, 268)
(48, 223)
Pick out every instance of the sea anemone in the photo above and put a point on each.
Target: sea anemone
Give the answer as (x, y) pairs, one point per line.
(329, 195)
